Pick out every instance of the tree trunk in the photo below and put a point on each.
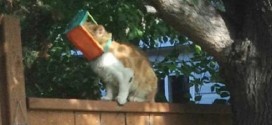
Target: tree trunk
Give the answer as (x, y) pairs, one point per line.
(248, 71)
(246, 59)
(250, 86)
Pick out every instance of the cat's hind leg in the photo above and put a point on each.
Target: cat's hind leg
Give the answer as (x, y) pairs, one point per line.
(151, 96)
(137, 96)
(142, 96)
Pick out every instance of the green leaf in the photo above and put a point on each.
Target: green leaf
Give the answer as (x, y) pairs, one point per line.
(198, 98)
(139, 32)
(224, 94)
(223, 88)
(215, 87)
(198, 49)
(212, 88)
(220, 101)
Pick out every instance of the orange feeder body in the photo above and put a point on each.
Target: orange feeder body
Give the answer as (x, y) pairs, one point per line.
(82, 39)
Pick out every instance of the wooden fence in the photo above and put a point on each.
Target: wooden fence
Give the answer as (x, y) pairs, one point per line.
(17, 110)
(84, 112)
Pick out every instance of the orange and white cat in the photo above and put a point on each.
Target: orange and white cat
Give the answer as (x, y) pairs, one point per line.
(143, 87)
(118, 78)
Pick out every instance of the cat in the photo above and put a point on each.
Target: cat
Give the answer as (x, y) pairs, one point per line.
(118, 78)
(144, 85)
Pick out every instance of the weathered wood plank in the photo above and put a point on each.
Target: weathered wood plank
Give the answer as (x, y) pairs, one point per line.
(112, 119)
(167, 119)
(87, 118)
(39, 117)
(137, 119)
(107, 106)
(189, 119)
(12, 93)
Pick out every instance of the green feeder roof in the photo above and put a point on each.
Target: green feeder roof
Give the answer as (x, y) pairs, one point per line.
(80, 18)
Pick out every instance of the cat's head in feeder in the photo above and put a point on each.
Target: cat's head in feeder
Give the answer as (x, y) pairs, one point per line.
(98, 32)
(87, 36)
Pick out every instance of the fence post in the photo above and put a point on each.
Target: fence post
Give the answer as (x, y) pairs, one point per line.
(12, 86)
(1, 16)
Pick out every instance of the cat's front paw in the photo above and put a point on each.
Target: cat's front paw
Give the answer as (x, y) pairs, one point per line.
(106, 98)
(121, 100)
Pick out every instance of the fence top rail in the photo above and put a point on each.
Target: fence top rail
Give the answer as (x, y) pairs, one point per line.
(111, 106)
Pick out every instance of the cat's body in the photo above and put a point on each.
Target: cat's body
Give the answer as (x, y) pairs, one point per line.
(144, 85)
(117, 77)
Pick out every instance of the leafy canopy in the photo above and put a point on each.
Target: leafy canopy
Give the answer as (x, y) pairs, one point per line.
(51, 69)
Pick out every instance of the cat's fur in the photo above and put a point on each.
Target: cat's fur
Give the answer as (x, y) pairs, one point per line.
(117, 77)
(144, 85)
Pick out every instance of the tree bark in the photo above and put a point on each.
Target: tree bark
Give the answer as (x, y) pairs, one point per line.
(241, 43)
(201, 23)
(248, 71)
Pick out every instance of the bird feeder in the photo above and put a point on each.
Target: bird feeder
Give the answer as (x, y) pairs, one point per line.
(81, 38)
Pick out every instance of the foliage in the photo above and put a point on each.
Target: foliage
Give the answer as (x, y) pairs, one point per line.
(62, 75)
(53, 71)
(200, 67)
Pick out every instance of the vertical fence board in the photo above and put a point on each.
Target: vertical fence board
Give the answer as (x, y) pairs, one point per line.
(1, 68)
(112, 119)
(0, 113)
(1, 56)
(87, 118)
(137, 119)
(12, 93)
(50, 118)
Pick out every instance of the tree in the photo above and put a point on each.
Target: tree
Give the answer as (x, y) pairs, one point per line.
(240, 38)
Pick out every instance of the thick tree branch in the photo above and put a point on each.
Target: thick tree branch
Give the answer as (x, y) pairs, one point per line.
(201, 23)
